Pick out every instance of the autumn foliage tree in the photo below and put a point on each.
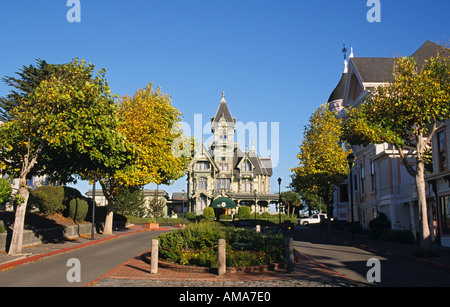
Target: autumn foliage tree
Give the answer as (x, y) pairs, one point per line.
(322, 159)
(147, 121)
(62, 124)
(406, 113)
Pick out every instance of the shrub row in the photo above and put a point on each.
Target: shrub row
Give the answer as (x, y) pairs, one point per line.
(63, 200)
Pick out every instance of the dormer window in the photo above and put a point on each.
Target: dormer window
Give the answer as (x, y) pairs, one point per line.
(246, 166)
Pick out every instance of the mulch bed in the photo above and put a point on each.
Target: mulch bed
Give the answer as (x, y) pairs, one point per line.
(36, 220)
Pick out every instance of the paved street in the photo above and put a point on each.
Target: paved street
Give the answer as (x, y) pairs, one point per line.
(325, 262)
(351, 261)
(95, 261)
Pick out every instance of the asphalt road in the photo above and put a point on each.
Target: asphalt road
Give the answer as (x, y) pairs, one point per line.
(94, 261)
(352, 262)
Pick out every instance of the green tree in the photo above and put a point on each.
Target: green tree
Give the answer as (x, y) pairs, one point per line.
(5, 191)
(62, 127)
(131, 201)
(156, 206)
(322, 159)
(291, 198)
(313, 202)
(29, 78)
(406, 113)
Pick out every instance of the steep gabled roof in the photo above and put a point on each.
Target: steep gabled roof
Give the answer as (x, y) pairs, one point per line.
(428, 50)
(205, 154)
(223, 111)
(267, 165)
(377, 70)
(256, 161)
(381, 69)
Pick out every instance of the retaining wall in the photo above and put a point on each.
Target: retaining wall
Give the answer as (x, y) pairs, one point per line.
(38, 236)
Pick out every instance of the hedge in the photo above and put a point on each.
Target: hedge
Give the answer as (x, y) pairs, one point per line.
(53, 199)
(78, 209)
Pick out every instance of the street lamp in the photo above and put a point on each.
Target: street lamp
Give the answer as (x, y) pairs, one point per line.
(93, 210)
(254, 191)
(157, 202)
(279, 200)
(351, 160)
(183, 206)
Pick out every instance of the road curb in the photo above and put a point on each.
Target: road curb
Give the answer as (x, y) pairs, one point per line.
(14, 263)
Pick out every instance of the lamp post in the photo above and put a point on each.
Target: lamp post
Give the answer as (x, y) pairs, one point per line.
(279, 200)
(351, 160)
(183, 206)
(93, 210)
(157, 202)
(254, 191)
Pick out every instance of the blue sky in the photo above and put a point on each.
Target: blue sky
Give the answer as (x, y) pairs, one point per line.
(277, 61)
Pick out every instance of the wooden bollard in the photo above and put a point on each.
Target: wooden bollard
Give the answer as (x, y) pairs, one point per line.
(154, 257)
(289, 255)
(222, 266)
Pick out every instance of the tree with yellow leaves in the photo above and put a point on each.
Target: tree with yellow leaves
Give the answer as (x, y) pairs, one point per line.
(322, 159)
(62, 125)
(147, 120)
(406, 113)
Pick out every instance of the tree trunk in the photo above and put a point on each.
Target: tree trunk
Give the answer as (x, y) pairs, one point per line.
(17, 236)
(109, 216)
(421, 196)
(27, 165)
(327, 200)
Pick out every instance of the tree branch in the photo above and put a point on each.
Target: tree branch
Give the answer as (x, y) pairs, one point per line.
(28, 165)
(433, 131)
(405, 161)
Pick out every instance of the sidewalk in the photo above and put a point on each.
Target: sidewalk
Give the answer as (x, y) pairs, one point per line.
(307, 272)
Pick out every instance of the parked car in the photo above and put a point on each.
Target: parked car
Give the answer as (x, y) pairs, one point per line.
(313, 219)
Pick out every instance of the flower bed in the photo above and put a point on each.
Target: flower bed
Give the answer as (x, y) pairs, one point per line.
(196, 245)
